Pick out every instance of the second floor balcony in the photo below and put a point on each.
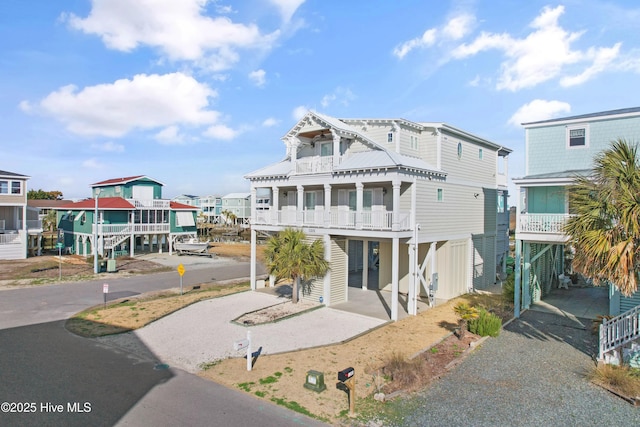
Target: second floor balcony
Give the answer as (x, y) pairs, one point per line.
(342, 219)
(545, 227)
(126, 229)
(314, 164)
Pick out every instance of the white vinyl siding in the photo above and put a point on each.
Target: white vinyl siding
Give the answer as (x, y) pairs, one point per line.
(453, 262)
(338, 291)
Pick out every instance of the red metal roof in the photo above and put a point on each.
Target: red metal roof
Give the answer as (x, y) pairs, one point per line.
(176, 205)
(113, 203)
(124, 180)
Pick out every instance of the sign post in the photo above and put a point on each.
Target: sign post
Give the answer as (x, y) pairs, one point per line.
(181, 273)
(59, 246)
(105, 291)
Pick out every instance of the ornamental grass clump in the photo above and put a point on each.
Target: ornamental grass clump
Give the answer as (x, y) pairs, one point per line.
(486, 324)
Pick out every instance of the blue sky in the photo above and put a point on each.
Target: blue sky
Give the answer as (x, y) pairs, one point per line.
(197, 93)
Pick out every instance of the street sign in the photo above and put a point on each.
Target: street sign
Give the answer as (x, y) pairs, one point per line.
(181, 270)
(59, 245)
(105, 288)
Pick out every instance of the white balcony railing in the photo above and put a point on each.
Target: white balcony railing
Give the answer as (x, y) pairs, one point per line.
(314, 164)
(11, 238)
(149, 204)
(346, 219)
(542, 223)
(131, 228)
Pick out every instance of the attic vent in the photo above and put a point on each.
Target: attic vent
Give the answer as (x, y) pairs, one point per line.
(117, 188)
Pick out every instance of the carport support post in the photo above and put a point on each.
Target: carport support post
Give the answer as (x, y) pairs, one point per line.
(253, 260)
(517, 280)
(395, 252)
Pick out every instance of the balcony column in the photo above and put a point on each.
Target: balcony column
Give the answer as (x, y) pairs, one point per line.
(300, 206)
(275, 205)
(254, 207)
(327, 205)
(336, 148)
(293, 152)
(359, 204)
(395, 225)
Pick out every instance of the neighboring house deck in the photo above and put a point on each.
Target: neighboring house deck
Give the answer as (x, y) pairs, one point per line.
(20, 226)
(558, 150)
(125, 215)
(418, 209)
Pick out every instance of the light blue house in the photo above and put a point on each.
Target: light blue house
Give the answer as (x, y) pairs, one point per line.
(556, 151)
(238, 204)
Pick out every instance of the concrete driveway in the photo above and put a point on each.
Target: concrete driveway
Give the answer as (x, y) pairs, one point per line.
(203, 332)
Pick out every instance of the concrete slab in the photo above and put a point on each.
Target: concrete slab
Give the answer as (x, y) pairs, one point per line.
(576, 302)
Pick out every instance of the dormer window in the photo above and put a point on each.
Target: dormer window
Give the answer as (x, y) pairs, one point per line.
(578, 136)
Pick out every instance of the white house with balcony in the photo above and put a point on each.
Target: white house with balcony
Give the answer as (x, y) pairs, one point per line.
(558, 150)
(416, 209)
(125, 215)
(20, 226)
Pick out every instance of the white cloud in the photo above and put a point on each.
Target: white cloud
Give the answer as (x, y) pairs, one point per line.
(539, 109)
(179, 29)
(144, 102)
(601, 57)
(270, 122)
(221, 132)
(454, 29)
(458, 26)
(92, 163)
(299, 112)
(108, 147)
(258, 77)
(287, 7)
(343, 95)
(428, 39)
(169, 135)
(542, 55)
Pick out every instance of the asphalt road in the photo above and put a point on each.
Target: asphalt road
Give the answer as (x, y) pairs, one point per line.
(49, 376)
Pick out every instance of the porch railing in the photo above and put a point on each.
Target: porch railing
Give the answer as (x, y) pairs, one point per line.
(346, 219)
(542, 223)
(149, 204)
(314, 164)
(32, 224)
(131, 228)
(619, 331)
(8, 239)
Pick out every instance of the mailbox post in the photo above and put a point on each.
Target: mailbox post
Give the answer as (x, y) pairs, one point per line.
(347, 382)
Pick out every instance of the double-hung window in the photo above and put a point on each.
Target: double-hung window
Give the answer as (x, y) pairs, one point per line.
(577, 136)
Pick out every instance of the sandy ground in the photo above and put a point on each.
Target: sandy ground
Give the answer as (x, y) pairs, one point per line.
(281, 376)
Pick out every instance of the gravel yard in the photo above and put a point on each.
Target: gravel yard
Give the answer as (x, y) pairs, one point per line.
(533, 374)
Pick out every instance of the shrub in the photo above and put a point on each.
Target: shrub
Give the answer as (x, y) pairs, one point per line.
(509, 289)
(622, 379)
(485, 324)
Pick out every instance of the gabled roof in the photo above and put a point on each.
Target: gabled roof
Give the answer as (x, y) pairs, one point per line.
(47, 204)
(634, 111)
(182, 206)
(125, 180)
(237, 196)
(7, 174)
(105, 203)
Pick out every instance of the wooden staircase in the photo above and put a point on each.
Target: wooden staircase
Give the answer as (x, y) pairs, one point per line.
(618, 332)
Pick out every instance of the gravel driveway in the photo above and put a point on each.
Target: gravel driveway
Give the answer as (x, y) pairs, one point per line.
(533, 374)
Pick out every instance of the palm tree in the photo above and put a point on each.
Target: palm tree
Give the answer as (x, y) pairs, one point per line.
(605, 232)
(287, 255)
